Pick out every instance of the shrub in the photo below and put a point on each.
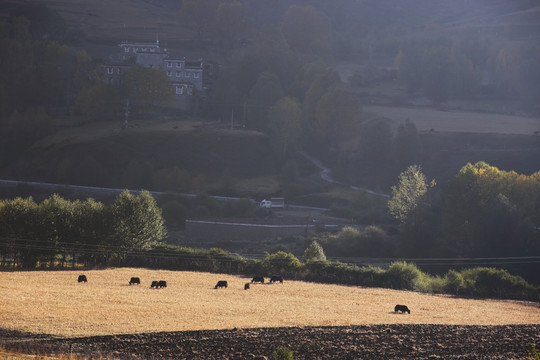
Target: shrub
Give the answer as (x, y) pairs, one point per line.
(370, 276)
(402, 275)
(281, 263)
(429, 284)
(348, 234)
(453, 282)
(535, 355)
(283, 353)
(331, 272)
(314, 252)
(491, 282)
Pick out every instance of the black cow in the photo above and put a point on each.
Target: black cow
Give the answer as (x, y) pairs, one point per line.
(246, 286)
(275, 278)
(221, 284)
(154, 284)
(162, 284)
(258, 279)
(402, 309)
(135, 280)
(82, 278)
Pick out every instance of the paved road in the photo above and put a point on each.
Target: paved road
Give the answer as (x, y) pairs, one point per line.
(92, 189)
(49, 186)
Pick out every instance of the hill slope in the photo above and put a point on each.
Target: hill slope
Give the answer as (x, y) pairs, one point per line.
(101, 154)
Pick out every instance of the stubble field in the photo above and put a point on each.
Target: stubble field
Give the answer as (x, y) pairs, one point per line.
(200, 322)
(52, 302)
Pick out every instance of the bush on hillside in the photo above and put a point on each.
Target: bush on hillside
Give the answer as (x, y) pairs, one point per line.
(491, 282)
(314, 252)
(282, 263)
(402, 275)
(454, 282)
(333, 272)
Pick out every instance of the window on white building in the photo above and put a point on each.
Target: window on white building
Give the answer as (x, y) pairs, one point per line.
(169, 64)
(126, 49)
(179, 64)
(188, 74)
(178, 73)
(110, 70)
(169, 73)
(196, 75)
(179, 90)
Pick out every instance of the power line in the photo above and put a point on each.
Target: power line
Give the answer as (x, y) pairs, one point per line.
(102, 249)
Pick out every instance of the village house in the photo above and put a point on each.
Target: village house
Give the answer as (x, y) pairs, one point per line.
(186, 75)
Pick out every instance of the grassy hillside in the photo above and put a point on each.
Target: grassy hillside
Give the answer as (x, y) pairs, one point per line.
(54, 303)
(102, 154)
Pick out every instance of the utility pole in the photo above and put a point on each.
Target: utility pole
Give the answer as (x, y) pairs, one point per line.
(244, 120)
(232, 118)
(126, 113)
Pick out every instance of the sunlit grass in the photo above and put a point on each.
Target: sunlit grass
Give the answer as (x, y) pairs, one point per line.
(52, 302)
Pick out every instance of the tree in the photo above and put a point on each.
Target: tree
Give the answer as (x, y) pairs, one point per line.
(409, 63)
(375, 141)
(408, 195)
(19, 222)
(199, 16)
(147, 87)
(136, 221)
(265, 93)
(306, 28)
(284, 121)
(406, 143)
(230, 22)
(99, 102)
(436, 69)
(314, 252)
(528, 84)
(490, 211)
(54, 70)
(338, 113)
(56, 224)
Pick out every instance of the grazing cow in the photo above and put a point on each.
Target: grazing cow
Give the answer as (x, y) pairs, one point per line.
(258, 279)
(82, 278)
(135, 280)
(162, 284)
(402, 309)
(246, 286)
(221, 284)
(154, 284)
(275, 278)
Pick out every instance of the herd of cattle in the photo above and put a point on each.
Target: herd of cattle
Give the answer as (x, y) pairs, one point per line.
(159, 284)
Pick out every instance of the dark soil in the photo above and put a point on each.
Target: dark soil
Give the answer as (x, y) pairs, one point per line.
(350, 342)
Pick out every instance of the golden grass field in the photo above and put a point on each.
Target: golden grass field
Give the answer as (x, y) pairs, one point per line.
(53, 302)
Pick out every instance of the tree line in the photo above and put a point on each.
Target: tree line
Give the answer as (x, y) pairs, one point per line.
(59, 231)
(62, 233)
